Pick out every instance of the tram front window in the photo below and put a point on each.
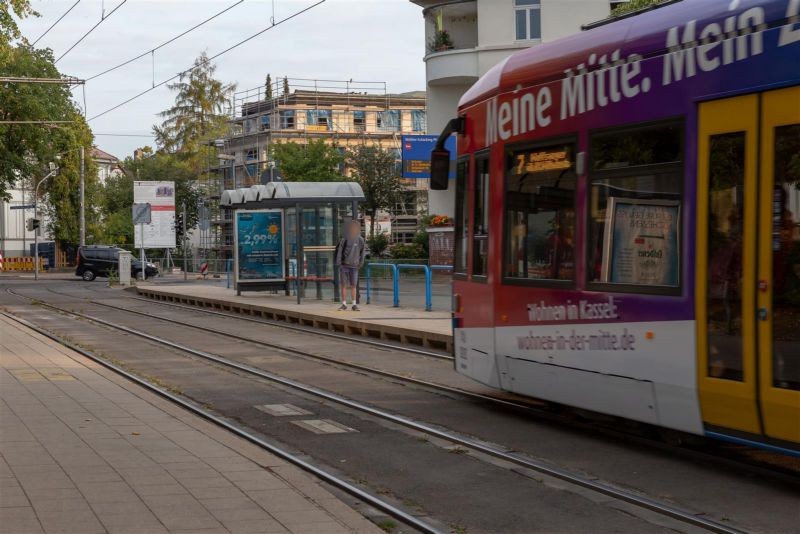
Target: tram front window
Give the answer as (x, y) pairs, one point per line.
(786, 259)
(540, 213)
(725, 232)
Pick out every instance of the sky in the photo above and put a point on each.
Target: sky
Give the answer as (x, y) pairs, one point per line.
(366, 40)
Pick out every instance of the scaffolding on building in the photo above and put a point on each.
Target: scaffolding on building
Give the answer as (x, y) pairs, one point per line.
(342, 112)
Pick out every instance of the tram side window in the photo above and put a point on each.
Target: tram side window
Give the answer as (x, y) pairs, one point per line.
(462, 218)
(540, 213)
(635, 203)
(480, 221)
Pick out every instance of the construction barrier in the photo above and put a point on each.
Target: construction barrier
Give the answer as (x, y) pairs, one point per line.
(22, 264)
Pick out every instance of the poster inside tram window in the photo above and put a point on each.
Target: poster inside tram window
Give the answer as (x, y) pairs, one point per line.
(642, 242)
(259, 245)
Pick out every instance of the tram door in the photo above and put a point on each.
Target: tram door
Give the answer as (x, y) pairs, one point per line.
(748, 264)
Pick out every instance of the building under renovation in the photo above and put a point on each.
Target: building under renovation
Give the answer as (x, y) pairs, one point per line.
(343, 113)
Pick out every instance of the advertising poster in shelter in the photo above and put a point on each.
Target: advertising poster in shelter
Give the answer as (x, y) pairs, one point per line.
(259, 245)
(642, 242)
(160, 232)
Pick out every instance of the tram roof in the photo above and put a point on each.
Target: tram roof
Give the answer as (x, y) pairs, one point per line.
(643, 34)
(290, 193)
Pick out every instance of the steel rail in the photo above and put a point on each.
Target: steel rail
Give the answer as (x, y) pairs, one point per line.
(338, 482)
(635, 499)
(326, 359)
(280, 324)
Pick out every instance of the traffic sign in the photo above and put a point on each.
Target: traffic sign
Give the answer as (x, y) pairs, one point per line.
(141, 213)
(23, 207)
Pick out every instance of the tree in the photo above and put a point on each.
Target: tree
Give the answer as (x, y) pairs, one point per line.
(197, 115)
(374, 168)
(9, 30)
(63, 188)
(268, 88)
(285, 86)
(315, 161)
(634, 5)
(26, 149)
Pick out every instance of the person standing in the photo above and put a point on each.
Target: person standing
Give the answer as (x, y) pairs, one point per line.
(349, 257)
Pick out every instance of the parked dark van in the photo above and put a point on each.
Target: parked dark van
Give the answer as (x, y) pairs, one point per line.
(100, 260)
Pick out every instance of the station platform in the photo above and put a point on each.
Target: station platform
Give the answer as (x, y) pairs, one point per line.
(432, 329)
(82, 450)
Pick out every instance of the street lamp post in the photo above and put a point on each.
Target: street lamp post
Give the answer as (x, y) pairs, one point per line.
(36, 230)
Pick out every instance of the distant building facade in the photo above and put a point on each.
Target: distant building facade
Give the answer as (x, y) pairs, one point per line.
(343, 114)
(107, 165)
(464, 39)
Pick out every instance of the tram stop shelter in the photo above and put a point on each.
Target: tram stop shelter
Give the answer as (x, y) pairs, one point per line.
(277, 223)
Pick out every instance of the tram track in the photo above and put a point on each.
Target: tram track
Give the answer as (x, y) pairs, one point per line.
(314, 331)
(532, 406)
(325, 359)
(491, 450)
(336, 481)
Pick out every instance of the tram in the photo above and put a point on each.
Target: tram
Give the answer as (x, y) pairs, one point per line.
(628, 221)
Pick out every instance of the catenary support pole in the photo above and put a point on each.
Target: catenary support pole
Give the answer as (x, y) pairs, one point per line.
(83, 201)
(184, 241)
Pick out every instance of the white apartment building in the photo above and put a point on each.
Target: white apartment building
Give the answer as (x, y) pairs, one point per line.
(480, 34)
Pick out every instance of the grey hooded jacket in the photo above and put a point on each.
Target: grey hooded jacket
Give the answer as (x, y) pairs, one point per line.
(351, 252)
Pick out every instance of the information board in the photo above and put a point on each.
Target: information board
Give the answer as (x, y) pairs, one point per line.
(641, 242)
(160, 232)
(259, 253)
(416, 155)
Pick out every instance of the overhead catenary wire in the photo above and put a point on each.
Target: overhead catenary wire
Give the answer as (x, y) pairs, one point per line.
(165, 43)
(104, 18)
(218, 54)
(56, 22)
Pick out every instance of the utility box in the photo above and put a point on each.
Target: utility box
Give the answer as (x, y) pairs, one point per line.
(125, 259)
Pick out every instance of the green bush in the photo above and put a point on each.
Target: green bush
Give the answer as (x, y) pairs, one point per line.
(408, 251)
(421, 238)
(378, 244)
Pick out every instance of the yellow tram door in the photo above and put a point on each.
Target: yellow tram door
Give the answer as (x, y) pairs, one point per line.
(725, 277)
(778, 286)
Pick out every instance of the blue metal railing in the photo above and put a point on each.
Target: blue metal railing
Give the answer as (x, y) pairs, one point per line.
(395, 282)
(395, 270)
(427, 271)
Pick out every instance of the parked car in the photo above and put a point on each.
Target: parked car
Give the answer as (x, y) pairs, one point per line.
(101, 260)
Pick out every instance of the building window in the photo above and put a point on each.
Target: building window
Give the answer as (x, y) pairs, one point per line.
(389, 120)
(360, 121)
(287, 119)
(418, 120)
(540, 213)
(528, 19)
(635, 204)
(318, 119)
(265, 122)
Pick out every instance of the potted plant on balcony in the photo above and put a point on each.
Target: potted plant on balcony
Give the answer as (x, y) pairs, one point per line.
(440, 41)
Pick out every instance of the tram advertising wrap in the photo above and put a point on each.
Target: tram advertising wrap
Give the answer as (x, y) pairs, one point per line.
(259, 245)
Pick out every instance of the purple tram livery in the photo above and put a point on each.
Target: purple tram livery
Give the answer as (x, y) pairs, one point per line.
(628, 221)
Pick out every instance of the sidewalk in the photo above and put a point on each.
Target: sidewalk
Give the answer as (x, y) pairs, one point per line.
(406, 325)
(82, 450)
